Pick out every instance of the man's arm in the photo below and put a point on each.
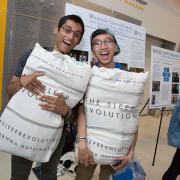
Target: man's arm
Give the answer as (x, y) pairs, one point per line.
(58, 106)
(30, 82)
(130, 154)
(84, 154)
(13, 87)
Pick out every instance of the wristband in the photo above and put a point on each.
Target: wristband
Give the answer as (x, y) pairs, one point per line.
(68, 115)
(20, 79)
(80, 139)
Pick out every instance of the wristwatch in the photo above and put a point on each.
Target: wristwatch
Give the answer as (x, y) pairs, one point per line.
(68, 115)
(80, 139)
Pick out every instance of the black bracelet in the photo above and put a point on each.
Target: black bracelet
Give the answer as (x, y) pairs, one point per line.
(68, 115)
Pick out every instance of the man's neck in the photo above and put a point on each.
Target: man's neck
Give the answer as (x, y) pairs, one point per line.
(58, 50)
(111, 65)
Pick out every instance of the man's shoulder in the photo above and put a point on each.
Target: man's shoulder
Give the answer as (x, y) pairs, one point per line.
(49, 48)
(28, 52)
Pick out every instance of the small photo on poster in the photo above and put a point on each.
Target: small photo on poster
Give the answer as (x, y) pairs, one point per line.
(155, 86)
(175, 88)
(81, 56)
(153, 99)
(94, 60)
(137, 70)
(124, 65)
(174, 99)
(175, 77)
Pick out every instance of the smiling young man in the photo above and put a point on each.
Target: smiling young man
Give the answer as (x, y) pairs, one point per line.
(68, 33)
(104, 46)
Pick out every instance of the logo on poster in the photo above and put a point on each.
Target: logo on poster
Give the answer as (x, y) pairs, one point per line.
(137, 33)
(77, 13)
(157, 51)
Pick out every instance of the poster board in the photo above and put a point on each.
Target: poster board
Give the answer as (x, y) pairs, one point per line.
(130, 37)
(164, 79)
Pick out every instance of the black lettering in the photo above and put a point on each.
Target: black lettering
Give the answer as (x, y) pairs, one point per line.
(110, 114)
(91, 101)
(128, 116)
(134, 115)
(117, 115)
(91, 110)
(30, 94)
(109, 104)
(126, 108)
(99, 111)
(55, 92)
(132, 108)
(98, 102)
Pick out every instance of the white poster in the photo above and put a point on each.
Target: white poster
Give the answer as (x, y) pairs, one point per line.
(164, 82)
(130, 37)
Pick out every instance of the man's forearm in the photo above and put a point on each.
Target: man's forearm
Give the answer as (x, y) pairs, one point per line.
(81, 122)
(131, 150)
(13, 87)
(74, 114)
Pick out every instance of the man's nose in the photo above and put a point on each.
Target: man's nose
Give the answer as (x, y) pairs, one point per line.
(103, 45)
(71, 35)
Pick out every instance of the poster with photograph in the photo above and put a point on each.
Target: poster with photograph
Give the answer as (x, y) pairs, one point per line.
(130, 37)
(164, 82)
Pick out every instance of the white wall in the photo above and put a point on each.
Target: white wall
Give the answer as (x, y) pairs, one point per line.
(158, 21)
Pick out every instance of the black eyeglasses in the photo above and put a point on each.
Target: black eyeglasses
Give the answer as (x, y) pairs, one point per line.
(107, 42)
(68, 30)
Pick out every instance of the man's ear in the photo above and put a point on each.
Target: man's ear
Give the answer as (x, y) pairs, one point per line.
(116, 48)
(56, 30)
(92, 51)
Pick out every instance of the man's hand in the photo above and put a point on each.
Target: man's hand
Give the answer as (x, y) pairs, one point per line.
(85, 155)
(55, 104)
(124, 161)
(31, 83)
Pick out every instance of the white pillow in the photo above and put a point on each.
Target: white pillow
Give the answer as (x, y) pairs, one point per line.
(25, 129)
(112, 106)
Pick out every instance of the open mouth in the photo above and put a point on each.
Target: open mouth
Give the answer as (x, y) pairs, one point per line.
(104, 54)
(67, 43)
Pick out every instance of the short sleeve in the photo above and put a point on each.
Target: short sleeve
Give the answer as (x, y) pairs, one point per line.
(21, 63)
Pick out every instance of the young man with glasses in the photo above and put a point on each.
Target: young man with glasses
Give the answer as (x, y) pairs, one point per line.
(68, 33)
(104, 46)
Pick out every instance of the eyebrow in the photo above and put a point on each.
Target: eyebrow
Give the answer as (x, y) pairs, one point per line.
(71, 28)
(104, 39)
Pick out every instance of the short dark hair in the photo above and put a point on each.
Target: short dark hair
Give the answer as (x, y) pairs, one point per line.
(73, 17)
(100, 31)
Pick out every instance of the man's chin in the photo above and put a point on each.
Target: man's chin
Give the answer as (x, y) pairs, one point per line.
(66, 52)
